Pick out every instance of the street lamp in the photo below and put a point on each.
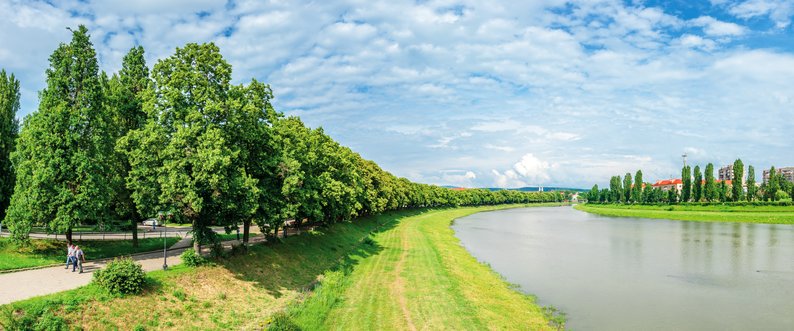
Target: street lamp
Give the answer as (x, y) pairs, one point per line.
(163, 229)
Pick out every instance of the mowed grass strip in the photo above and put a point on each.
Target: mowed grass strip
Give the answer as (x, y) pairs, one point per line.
(420, 279)
(743, 214)
(40, 252)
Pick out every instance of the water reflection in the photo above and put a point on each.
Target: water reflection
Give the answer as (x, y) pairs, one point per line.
(637, 274)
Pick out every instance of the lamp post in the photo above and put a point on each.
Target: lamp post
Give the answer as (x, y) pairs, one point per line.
(163, 229)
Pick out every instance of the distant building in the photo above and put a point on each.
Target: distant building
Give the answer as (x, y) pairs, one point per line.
(669, 184)
(787, 173)
(726, 173)
(677, 184)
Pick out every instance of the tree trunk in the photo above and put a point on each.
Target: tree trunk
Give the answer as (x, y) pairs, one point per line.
(134, 232)
(69, 235)
(196, 241)
(246, 228)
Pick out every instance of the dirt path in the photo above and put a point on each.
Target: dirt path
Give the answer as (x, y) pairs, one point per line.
(399, 284)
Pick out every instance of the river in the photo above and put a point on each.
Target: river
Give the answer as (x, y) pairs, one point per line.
(610, 273)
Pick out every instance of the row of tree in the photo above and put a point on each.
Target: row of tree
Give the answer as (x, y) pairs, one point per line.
(183, 141)
(695, 187)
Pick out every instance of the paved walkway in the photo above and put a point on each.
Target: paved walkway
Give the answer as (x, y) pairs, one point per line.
(21, 285)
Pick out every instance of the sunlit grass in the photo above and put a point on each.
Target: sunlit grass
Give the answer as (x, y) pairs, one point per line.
(710, 213)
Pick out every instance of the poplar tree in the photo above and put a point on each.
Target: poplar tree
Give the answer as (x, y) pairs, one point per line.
(697, 186)
(9, 105)
(738, 178)
(686, 182)
(751, 188)
(710, 188)
(771, 185)
(627, 188)
(125, 94)
(637, 191)
(63, 151)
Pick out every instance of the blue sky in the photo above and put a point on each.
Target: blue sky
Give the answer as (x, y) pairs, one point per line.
(477, 93)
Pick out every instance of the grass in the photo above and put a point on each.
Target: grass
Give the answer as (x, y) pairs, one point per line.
(420, 278)
(708, 213)
(42, 252)
(376, 273)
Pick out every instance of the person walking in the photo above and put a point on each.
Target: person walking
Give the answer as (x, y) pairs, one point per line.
(80, 257)
(69, 254)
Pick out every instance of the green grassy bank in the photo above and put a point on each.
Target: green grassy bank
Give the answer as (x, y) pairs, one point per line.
(708, 213)
(42, 252)
(402, 270)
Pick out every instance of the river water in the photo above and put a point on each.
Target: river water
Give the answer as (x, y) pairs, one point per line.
(610, 273)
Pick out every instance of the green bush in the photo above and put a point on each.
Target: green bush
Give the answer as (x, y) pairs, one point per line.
(782, 196)
(191, 259)
(281, 321)
(121, 276)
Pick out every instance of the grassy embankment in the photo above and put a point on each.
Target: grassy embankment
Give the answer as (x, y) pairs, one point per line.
(394, 271)
(42, 252)
(708, 213)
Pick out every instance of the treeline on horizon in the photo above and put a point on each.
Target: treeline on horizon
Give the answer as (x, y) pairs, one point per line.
(183, 143)
(697, 187)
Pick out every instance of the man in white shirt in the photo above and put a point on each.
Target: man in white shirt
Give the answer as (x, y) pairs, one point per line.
(79, 258)
(69, 254)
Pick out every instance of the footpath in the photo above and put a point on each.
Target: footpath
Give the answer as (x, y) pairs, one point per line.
(15, 286)
(21, 285)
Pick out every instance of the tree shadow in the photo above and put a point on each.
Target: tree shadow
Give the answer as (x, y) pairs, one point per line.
(294, 263)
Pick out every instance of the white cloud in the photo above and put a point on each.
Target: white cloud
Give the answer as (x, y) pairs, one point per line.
(714, 27)
(779, 11)
(533, 169)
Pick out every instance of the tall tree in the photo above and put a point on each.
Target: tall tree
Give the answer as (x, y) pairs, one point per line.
(752, 190)
(125, 94)
(636, 194)
(194, 170)
(9, 105)
(710, 188)
(737, 181)
(686, 182)
(627, 188)
(63, 151)
(722, 191)
(697, 185)
(772, 185)
(615, 189)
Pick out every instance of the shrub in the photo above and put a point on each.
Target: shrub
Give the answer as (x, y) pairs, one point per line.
(121, 276)
(281, 321)
(191, 259)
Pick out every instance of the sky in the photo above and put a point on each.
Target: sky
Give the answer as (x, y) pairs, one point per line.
(476, 93)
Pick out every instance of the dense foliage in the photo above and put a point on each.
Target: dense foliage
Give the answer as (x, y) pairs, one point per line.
(124, 276)
(696, 189)
(182, 140)
(9, 105)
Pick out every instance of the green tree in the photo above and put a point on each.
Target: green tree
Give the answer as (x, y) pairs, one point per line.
(686, 182)
(125, 95)
(637, 191)
(722, 191)
(738, 178)
(593, 195)
(697, 185)
(615, 189)
(627, 188)
(9, 105)
(63, 151)
(194, 167)
(710, 188)
(752, 190)
(772, 185)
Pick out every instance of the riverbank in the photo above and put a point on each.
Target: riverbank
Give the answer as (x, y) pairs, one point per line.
(394, 271)
(726, 213)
